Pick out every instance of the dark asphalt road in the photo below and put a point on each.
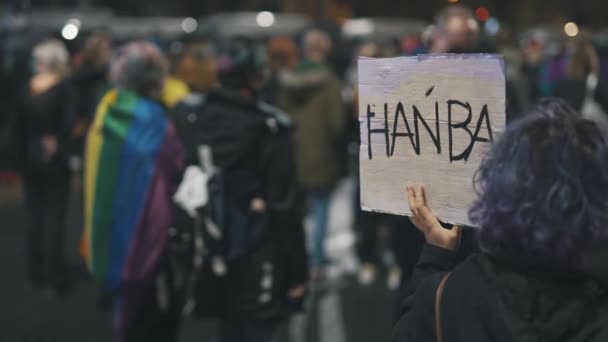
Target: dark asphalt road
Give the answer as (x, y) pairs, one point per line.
(26, 315)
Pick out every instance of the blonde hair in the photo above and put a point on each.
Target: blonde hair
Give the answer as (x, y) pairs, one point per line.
(53, 56)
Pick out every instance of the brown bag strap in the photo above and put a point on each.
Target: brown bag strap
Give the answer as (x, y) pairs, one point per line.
(438, 296)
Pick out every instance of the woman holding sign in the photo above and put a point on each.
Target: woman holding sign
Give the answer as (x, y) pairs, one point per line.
(543, 211)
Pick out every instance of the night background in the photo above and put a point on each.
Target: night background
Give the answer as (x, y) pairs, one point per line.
(519, 13)
(537, 38)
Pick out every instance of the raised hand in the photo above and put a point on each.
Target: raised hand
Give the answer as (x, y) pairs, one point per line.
(425, 220)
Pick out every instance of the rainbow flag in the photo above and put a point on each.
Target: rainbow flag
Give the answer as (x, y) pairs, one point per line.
(132, 161)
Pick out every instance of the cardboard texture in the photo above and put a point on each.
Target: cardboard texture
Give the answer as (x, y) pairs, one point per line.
(427, 119)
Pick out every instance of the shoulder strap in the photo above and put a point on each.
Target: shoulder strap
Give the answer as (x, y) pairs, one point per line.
(281, 117)
(438, 297)
(195, 99)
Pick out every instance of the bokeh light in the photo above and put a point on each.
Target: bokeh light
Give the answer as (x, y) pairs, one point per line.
(571, 29)
(492, 26)
(482, 14)
(69, 31)
(189, 25)
(265, 19)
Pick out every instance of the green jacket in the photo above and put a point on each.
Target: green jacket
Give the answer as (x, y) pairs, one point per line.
(311, 96)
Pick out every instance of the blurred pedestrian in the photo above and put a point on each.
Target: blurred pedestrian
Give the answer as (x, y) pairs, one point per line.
(252, 270)
(534, 50)
(517, 92)
(457, 31)
(578, 74)
(379, 236)
(310, 94)
(91, 78)
(45, 117)
(282, 57)
(133, 160)
(541, 208)
(196, 66)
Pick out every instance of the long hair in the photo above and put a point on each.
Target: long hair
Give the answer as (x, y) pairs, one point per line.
(543, 188)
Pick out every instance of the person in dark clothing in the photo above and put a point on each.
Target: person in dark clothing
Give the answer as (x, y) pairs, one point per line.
(157, 319)
(91, 81)
(456, 31)
(44, 120)
(91, 77)
(566, 74)
(541, 209)
(255, 276)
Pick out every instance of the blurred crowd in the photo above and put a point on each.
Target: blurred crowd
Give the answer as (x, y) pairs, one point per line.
(268, 128)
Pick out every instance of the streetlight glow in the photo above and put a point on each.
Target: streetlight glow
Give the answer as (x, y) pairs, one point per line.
(571, 29)
(189, 25)
(69, 31)
(265, 19)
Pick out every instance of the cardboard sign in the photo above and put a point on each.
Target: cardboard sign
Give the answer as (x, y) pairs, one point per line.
(427, 119)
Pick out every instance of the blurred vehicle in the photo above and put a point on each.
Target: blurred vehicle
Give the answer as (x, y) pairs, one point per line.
(166, 28)
(253, 25)
(67, 21)
(381, 29)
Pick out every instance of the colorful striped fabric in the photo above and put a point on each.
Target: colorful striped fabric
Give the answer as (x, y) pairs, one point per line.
(132, 159)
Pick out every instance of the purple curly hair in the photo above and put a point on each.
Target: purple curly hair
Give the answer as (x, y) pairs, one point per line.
(543, 188)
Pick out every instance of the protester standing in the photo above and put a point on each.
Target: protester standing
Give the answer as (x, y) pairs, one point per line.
(45, 117)
(133, 162)
(575, 79)
(310, 94)
(253, 272)
(542, 213)
(91, 76)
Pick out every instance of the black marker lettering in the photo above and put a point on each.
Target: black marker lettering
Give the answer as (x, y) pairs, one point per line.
(483, 115)
(370, 131)
(395, 134)
(463, 125)
(435, 137)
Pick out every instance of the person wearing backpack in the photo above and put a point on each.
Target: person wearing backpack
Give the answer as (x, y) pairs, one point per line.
(542, 209)
(237, 205)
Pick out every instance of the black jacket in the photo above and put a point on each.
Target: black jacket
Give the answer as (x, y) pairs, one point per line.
(53, 113)
(91, 82)
(486, 300)
(252, 145)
